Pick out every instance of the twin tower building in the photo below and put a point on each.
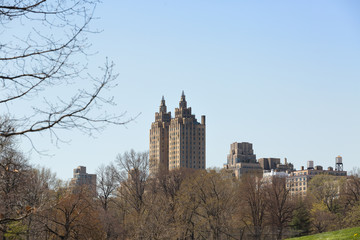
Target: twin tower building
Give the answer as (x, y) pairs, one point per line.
(177, 142)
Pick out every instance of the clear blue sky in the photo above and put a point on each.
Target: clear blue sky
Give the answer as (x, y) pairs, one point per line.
(283, 75)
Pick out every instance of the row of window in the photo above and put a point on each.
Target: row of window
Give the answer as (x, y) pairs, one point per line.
(295, 179)
(187, 166)
(298, 189)
(296, 184)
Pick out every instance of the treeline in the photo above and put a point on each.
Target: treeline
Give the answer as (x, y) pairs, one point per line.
(180, 204)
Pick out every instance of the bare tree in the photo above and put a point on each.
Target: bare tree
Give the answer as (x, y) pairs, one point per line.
(326, 189)
(134, 172)
(107, 184)
(253, 212)
(39, 186)
(134, 168)
(71, 216)
(280, 206)
(217, 200)
(205, 206)
(43, 45)
(169, 183)
(14, 175)
(188, 224)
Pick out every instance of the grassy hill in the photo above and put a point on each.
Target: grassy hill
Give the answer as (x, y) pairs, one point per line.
(348, 233)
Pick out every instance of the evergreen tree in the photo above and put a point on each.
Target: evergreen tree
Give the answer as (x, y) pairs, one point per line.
(301, 219)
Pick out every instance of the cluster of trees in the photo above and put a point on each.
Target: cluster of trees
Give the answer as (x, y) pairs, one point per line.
(42, 43)
(180, 204)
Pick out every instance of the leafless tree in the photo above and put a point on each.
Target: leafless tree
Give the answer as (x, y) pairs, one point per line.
(253, 211)
(169, 183)
(71, 216)
(43, 45)
(14, 170)
(188, 224)
(217, 203)
(39, 186)
(280, 205)
(107, 184)
(133, 174)
(134, 171)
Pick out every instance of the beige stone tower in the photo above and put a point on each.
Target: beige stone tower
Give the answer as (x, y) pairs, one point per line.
(242, 159)
(186, 139)
(159, 140)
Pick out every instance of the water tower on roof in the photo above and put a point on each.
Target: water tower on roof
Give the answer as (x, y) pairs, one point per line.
(310, 164)
(338, 163)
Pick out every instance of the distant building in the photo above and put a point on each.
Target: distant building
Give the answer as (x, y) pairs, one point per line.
(268, 164)
(269, 175)
(298, 181)
(177, 142)
(273, 173)
(242, 159)
(159, 140)
(81, 178)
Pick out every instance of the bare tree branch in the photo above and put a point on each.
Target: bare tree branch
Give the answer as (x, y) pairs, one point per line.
(47, 58)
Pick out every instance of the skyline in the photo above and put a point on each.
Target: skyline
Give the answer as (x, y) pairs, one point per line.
(282, 76)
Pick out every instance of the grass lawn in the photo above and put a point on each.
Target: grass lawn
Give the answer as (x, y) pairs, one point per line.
(348, 233)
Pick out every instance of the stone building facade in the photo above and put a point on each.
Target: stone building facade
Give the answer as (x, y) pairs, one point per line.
(178, 142)
(242, 159)
(159, 139)
(81, 178)
(269, 164)
(298, 181)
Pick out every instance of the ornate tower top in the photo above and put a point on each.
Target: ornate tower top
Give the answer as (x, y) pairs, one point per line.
(162, 105)
(182, 103)
(163, 115)
(183, 111)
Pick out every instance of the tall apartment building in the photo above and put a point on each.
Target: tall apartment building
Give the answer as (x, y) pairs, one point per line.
(82, 178)
(159, 139)
(177, 142)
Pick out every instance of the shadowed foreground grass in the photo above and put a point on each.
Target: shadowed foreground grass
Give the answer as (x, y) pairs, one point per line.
(348, 233)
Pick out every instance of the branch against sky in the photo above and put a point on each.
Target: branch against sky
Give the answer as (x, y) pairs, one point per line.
(42, 67)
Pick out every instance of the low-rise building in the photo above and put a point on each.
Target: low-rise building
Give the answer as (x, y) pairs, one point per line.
(274, 173)
(268, 164)
(298, 181)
